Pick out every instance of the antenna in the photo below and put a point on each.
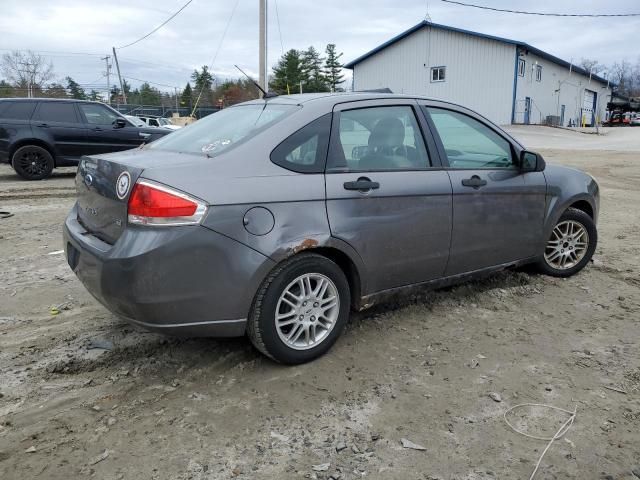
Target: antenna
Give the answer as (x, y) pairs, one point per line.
(264, 93)
(427, 17)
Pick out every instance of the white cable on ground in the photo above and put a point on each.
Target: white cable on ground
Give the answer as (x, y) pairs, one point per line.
(559, 434)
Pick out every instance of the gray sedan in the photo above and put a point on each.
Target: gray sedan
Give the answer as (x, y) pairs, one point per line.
(275, 218)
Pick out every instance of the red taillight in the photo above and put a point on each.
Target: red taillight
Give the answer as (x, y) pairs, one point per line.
(152, 204)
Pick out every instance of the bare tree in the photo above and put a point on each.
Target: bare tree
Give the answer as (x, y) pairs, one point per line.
(26, 69)
(620, 75)
(591, 65)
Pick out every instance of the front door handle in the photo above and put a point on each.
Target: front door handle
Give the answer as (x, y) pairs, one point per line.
(475, 181)
(43, 125)
(363, 184)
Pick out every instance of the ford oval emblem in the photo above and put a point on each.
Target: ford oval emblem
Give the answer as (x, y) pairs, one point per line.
(88, 180)
(122, 185)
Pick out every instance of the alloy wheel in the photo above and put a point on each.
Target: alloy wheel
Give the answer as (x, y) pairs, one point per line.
(567, 246)
(307, 311)
(33, 163)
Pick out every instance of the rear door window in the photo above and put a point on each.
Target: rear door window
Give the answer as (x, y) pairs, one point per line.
(379, 138)
(17, 110)
(306, 150)
(56, 112)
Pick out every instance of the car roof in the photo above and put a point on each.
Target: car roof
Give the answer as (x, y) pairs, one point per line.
(329, 99)
(63, 100)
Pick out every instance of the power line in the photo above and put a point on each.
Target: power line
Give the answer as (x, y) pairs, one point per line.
(148, 81)
(51, 52)
(215, 56)
(158, 27)
(279, 30)
(543, 14)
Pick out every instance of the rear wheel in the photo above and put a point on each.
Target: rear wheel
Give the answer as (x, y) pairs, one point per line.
(300, 309)
(571, 244)
(32, 162)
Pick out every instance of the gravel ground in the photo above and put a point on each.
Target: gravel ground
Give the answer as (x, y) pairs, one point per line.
(83, 394)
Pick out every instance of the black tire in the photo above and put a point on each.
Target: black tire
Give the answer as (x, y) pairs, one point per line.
(32, 162)
(261, 326)
(578, 216)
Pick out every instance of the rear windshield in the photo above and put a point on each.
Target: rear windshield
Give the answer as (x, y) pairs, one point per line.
(224, 129)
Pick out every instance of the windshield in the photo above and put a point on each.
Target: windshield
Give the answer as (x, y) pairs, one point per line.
(221, 130)
(164, 121)
(136, 121)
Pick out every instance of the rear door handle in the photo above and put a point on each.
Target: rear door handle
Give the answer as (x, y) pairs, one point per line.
(43, 125)
(363, 184)
(475, 181)
(96, 129)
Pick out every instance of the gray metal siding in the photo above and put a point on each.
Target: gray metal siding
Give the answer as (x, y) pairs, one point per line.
(479, 71)
(556, 88)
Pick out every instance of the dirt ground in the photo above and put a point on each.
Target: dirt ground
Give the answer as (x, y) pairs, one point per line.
(83, 394)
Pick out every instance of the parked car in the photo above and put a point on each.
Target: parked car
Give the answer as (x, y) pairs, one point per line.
(634, 120)
(160, 122)
(39, 134)
(277, 217)
(135, 121)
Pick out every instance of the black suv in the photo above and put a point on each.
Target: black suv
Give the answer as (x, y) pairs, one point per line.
(39, 134)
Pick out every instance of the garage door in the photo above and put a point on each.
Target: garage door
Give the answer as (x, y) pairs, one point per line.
(588, 105)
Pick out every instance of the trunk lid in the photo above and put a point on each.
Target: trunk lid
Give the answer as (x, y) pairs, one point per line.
(102, 209)
(104, 183)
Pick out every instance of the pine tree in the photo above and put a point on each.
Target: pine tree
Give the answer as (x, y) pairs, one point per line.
(186, 98)
(6, 90)
(312, 70)
(288, 73)
(203, 81)
(94, 95)
(333, 67)
(75, 90)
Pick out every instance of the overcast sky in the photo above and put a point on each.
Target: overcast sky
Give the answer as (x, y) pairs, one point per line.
(64, 27)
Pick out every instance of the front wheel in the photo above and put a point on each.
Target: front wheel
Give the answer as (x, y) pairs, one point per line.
(571, 244)
(300, 309)
(32, 162)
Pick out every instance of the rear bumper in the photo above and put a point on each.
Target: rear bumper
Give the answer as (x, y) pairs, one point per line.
(187, 281)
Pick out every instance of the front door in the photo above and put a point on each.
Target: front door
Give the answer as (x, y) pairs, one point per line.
(103, 135)
(562, 115)
(527, 110)
(386, 195)
(498, 210)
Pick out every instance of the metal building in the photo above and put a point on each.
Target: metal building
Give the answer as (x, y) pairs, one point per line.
(505, 80)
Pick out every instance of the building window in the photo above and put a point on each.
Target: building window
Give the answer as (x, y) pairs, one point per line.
(437, 74)
(538, 73)
(521, 67)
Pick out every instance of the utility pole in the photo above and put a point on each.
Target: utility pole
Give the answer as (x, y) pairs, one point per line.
(264, 79)
(30, 77)
(124, 94)
(175, 90)
(106, 59)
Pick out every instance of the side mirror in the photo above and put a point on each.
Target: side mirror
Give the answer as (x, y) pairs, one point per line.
(531, 161)
(119, 123)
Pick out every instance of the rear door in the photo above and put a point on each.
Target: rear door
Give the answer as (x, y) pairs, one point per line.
(386, 194)
(498, 210)
(59, 122)
(103, 135)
